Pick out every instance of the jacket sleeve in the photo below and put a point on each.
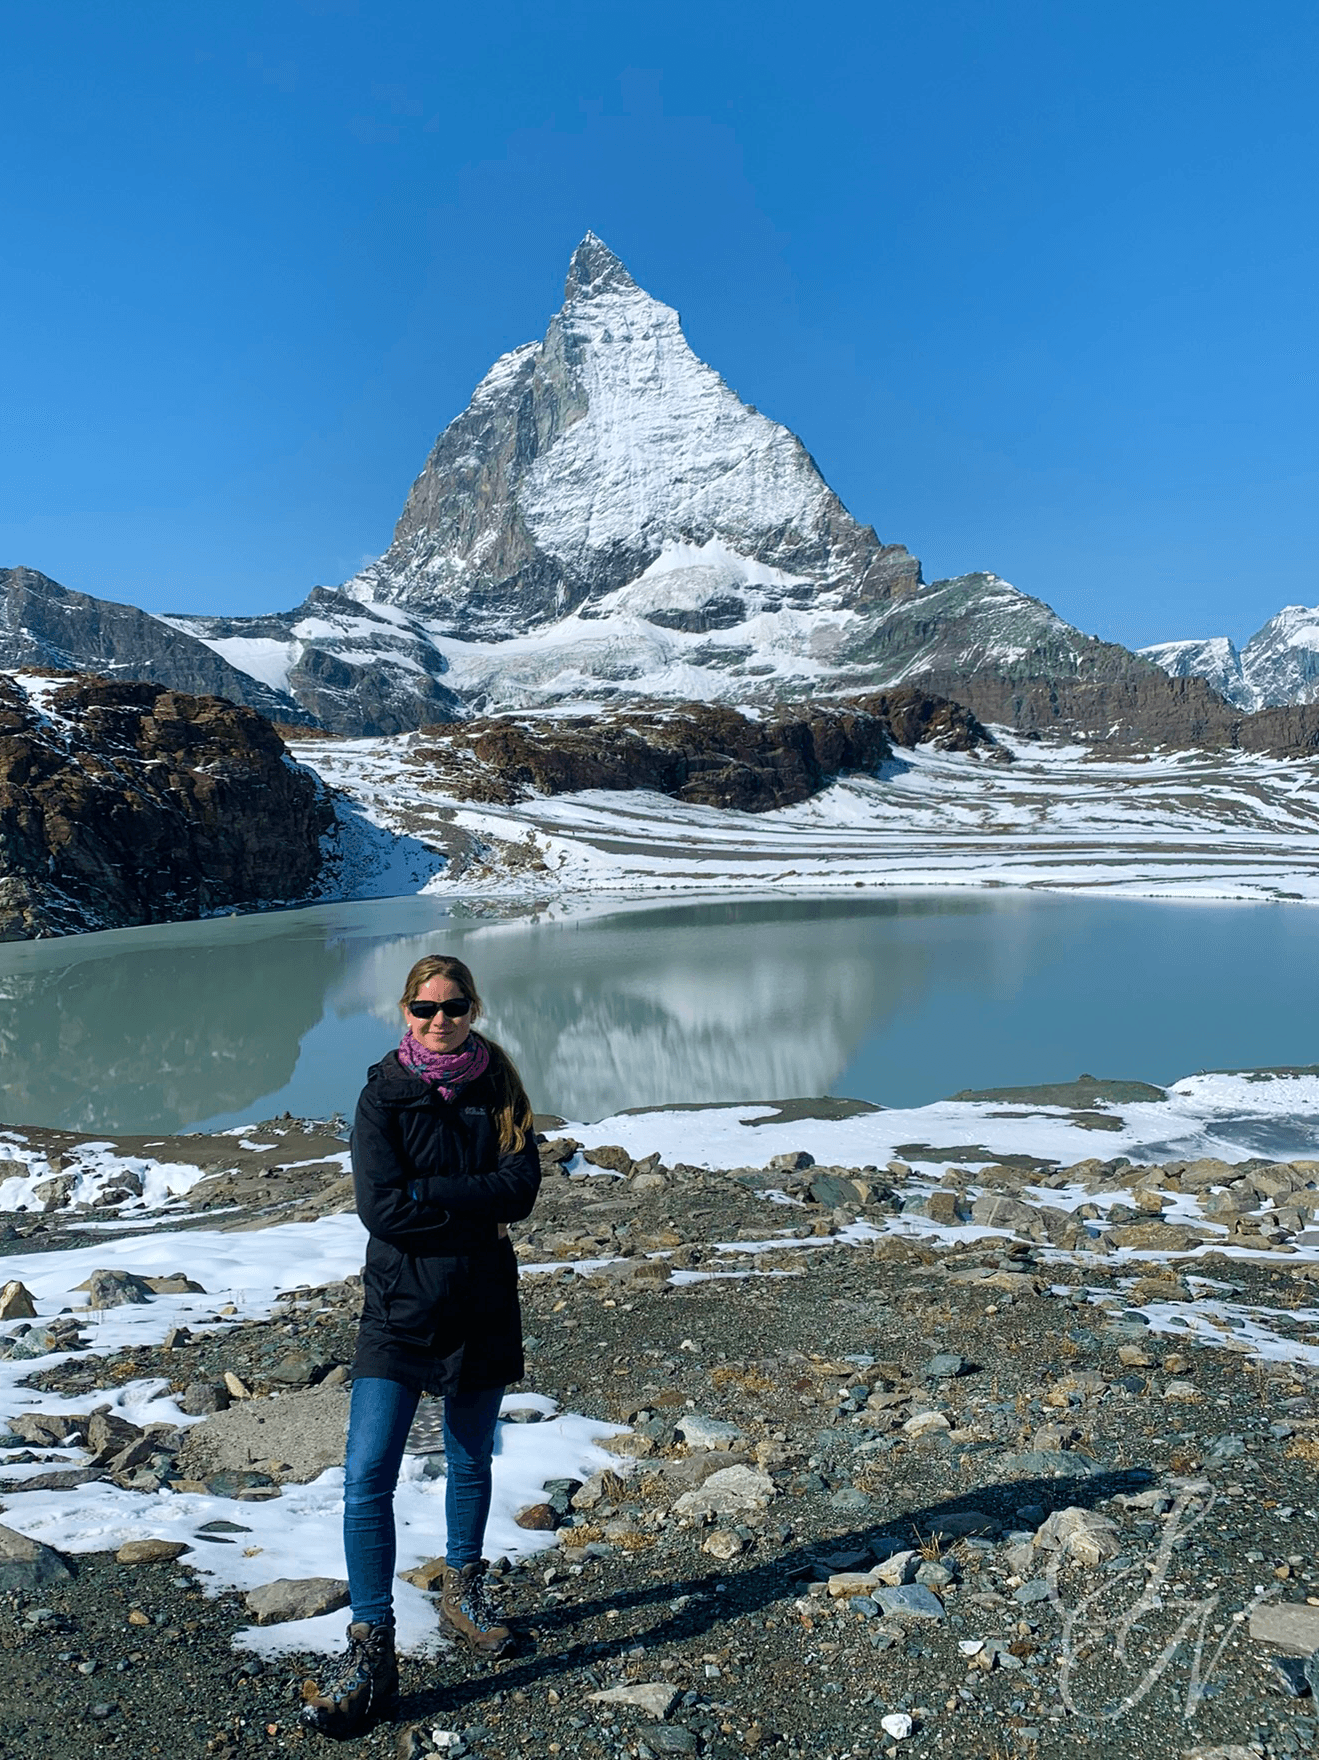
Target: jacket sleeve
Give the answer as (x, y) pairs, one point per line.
(506, 1194)
(413, 1215)
(382, 1189)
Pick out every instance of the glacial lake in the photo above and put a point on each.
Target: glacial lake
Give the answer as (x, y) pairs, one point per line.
(898, 998)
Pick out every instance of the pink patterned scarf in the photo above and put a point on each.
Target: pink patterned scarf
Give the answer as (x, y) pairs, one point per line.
(445, 1070)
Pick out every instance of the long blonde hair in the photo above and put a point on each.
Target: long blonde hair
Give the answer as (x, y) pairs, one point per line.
(512, 1109)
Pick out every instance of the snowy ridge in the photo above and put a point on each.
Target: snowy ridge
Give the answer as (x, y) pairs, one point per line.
(1278, 665)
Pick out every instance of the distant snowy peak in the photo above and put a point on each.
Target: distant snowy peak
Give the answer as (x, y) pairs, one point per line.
(1281, 661)
(1214, 659)
(585, 458)
(1278, 665)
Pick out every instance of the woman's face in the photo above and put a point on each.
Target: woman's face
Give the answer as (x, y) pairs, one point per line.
(441, 1032)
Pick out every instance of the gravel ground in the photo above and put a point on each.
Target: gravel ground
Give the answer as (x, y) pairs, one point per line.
(878, 1391)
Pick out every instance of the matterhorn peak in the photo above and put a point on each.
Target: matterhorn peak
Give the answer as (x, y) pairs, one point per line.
(595, 269)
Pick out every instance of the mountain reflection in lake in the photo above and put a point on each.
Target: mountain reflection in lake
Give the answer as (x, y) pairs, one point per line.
(898, 998)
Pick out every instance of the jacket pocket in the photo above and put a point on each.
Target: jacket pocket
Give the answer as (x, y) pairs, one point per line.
(417, 1297)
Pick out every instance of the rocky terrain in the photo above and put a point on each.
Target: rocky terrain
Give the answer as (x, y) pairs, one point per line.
(700, 753)
(922, 1458)
(131, 803)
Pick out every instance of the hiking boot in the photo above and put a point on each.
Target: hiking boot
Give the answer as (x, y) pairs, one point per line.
(466, 1608)
(363, 1689)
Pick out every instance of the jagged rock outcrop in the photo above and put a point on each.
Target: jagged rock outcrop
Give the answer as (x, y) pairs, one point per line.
(129, 803)
(703, 753)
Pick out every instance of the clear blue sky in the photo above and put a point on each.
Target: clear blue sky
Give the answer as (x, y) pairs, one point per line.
(1034, 282)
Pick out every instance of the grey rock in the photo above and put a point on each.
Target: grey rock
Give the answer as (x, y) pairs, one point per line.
(27, 1565)
(296, 1598)
(911, 1601)
(706, 1433)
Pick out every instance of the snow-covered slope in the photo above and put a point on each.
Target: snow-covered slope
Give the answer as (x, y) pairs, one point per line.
(1278, 665)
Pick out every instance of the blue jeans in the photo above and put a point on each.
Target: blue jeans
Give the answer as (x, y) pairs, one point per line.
(379, 1419)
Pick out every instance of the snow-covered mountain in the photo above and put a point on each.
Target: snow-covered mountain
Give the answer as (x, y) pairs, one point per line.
(607, 519)
(1278, 665)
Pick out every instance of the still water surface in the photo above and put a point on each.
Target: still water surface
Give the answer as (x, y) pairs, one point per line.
(900, 999)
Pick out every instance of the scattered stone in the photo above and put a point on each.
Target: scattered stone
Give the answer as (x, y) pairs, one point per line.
(115, 1289)
(296, 1598)
(897, 1724)
(176, 1284)
(236, 1386)
(150, 1551)
(724, 1544)
(655, 1698)
(16, 1302)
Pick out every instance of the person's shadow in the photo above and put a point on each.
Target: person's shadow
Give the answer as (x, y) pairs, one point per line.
(743, 1591)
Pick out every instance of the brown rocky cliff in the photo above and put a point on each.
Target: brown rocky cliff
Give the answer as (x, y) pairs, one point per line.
(704, 753)
(123, 804)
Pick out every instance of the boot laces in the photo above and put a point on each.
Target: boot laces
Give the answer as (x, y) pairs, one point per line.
(478, 1604)
(355, 1670)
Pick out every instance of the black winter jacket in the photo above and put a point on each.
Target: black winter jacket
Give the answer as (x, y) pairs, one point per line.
(440, 1306)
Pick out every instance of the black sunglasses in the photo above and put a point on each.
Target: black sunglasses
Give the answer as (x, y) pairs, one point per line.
(454, 1009)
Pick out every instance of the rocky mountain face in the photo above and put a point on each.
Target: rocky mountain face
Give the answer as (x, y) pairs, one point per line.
(1278, 666)
(706, 754)
(125, 803)
(47, 627)
(608, 521)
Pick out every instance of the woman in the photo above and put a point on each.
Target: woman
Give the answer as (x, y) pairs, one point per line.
(444, 1158)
